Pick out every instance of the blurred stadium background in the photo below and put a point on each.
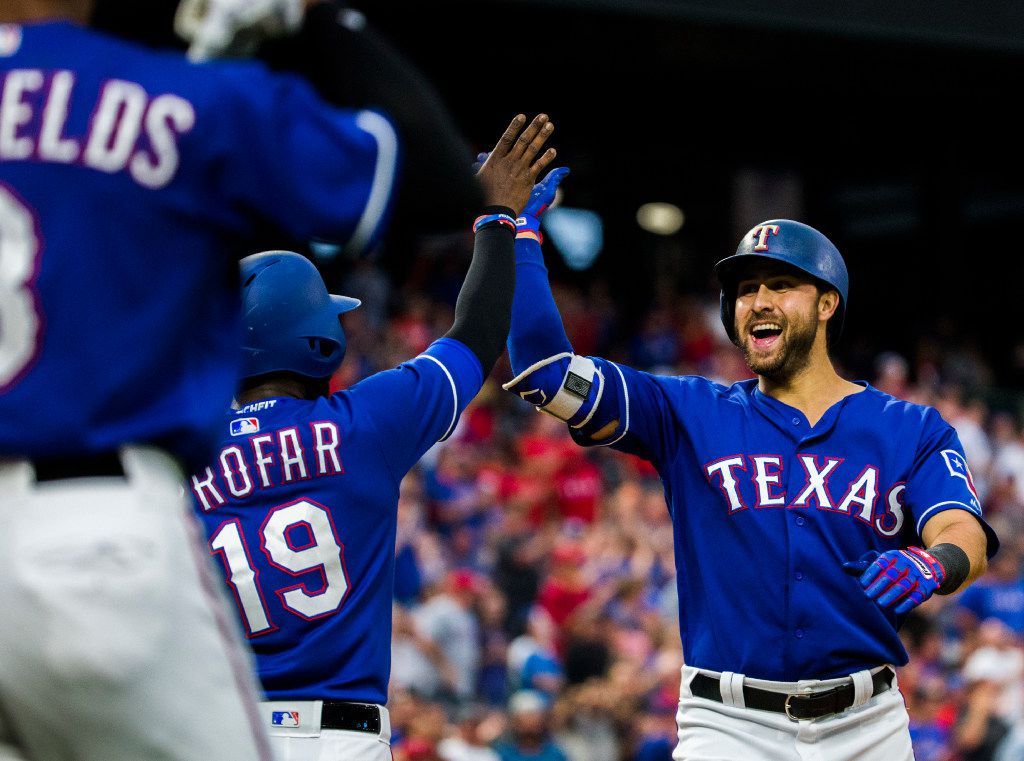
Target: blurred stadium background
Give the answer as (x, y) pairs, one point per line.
(535, 598)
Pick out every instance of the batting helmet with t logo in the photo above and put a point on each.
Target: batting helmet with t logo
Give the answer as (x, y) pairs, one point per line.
(794, 243)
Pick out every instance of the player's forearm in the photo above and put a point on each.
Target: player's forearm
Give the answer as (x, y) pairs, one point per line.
(960, 529)
(352, 66)
(537, 331)
(483, 309)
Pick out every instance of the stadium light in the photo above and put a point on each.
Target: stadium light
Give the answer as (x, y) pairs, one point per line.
(660, 218)
(577, 234)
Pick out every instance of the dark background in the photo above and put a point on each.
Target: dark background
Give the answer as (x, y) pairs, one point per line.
(902, 132)
(897, 128)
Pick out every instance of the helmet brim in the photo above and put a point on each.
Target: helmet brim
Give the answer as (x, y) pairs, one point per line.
(345, 303)
(727, 269)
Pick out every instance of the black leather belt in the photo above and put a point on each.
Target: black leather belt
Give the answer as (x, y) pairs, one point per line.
(104, 464)
(355, 717)
(812, 705)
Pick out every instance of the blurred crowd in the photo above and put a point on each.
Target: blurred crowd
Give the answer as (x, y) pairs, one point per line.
(535, 612)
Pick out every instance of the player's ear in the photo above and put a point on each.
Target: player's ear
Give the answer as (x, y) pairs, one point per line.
(828, 302)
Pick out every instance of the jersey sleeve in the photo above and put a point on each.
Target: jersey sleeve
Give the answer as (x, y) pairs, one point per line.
(644, 407)
(940, 478)
(628, 403)
(418, 403)
(308, 168)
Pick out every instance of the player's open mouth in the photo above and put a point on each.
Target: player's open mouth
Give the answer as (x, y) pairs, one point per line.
(765, 334)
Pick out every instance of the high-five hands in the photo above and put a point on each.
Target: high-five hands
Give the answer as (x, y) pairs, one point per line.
(509, 172)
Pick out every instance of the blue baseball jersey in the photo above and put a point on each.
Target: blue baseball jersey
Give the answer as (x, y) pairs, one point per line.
(130, 182)
(301, 508)
(766, 508)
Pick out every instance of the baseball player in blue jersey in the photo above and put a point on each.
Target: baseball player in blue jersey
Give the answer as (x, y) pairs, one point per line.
(300, 504)
(128, 178)
(810, 513)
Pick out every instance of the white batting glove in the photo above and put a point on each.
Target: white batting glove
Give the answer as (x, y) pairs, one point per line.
(232, 28)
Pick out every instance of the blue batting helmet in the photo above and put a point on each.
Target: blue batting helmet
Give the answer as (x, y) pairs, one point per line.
(289, 320)
(794, 243)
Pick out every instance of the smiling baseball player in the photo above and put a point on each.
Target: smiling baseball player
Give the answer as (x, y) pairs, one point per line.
(301, 503)
(779, 489)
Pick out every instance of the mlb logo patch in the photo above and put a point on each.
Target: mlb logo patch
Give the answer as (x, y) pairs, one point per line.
(245, 425)
(285, 718)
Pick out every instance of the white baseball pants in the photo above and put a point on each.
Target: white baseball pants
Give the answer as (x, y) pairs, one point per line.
(873, 729)
(306, 741)
(115, 644)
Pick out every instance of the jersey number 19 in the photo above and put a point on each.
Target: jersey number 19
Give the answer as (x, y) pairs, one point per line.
(323, 552)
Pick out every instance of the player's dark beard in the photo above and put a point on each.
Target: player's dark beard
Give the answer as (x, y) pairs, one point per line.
(793, 355)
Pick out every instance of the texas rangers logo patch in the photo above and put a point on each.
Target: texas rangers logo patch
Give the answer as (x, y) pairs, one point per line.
(761, 232)
(284, 718)
(245, 425)
(958, 468)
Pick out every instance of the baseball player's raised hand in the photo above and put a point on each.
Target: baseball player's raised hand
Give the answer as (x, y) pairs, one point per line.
(541, 197)
(543, 193)
(510, 171)
(898, 579)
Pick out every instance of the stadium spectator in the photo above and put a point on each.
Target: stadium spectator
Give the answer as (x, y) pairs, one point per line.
(566, 587)
(468, 742)
(447, 619)
(998, 595)
(529, 733)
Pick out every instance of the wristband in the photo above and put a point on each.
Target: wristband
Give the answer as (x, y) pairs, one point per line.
(527, 223)
(486, 219)
(954, 562)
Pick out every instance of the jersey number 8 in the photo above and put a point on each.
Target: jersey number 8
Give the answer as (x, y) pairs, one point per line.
(324, 554)
(20, 324)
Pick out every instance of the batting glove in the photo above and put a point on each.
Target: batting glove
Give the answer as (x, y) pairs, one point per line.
(222, 28)
(898, 579)
(541, 197)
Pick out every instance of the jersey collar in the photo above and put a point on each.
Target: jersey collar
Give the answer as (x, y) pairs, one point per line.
(793, 423)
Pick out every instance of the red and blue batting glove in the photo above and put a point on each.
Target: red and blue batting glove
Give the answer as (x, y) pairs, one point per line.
(900, 578)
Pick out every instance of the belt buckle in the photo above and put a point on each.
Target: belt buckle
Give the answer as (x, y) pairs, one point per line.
(789, 715)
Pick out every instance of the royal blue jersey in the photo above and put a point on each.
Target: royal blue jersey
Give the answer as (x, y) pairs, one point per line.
(766, 508)
(301, 508)
(130, 182)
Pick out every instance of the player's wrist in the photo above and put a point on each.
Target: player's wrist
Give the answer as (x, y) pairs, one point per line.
(527, 225)
(955, 564)
(495, 216)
